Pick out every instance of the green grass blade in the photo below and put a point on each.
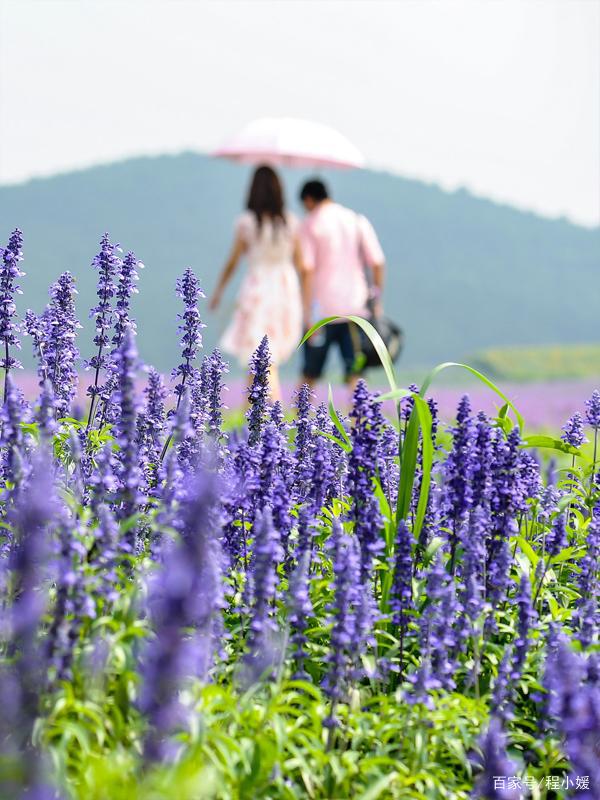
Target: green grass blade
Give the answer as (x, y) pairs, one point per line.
(377, 341)
(320, 324)
(550, 443)
(409, 463)
(335, 418)
(379, 345)
(425, 423)
(395, 394)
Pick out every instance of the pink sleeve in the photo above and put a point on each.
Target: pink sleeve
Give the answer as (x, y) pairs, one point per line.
(244, 227)
(372, 252)
(307, 245)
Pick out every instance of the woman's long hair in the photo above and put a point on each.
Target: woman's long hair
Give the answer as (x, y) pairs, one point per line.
(265, 198)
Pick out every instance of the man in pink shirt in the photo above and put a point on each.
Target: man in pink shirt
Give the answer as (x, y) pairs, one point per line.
(338, 245)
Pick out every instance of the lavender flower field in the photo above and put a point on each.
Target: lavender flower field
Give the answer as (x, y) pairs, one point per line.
(312, 606)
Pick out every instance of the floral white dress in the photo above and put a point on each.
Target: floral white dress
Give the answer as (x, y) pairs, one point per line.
(269, 300)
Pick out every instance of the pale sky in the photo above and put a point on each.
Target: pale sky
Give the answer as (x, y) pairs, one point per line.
(502, 97)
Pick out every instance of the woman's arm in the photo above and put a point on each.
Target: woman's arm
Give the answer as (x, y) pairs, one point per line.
(306, 289)
(238, 250)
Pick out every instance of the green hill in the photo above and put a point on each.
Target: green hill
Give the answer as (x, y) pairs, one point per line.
(464, 273)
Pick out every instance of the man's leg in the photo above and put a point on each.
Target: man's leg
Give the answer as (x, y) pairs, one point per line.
(348, 352)
(314, 357)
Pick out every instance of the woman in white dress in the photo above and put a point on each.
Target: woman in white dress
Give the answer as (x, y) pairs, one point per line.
(269, 301)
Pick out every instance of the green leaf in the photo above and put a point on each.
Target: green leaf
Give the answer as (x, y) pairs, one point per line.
(344, 445)
(377, 788)
(528, 551)
(420, 420)
(425, 422)
(317, 326)
(550, 443)
(564, 555)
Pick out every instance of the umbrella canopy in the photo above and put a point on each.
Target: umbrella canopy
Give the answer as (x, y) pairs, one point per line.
(291, 142)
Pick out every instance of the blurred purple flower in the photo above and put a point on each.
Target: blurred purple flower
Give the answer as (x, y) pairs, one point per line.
(346, 594)
(496, 767)
(267, 555)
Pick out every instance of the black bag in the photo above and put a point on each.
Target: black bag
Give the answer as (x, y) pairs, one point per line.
(393, 338)
(391, 333)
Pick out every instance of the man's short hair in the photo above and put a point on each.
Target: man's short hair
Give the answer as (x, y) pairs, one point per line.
(314, 189)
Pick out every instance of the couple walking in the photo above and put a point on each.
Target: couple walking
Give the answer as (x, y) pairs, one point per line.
(298, 273)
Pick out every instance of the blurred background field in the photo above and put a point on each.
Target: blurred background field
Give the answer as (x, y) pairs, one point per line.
(468, 279)
(552, 362)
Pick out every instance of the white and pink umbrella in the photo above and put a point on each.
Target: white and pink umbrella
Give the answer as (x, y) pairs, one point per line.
(284, 141)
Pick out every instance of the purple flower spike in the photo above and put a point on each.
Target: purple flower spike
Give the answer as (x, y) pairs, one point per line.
(493, 783)
(481, 461)
(368, 422)
(575, 707)
(128, 470)
(300, 610)
(401, 595)
(268, 553)
(60, 351)
(107, 263)
(592, 410)
(503, 688)
(573, 431)
(126, 287)
(185, 595)
(347, 591)
(458, 469)
(46, 411)
(258, 394)
(11, 434)
(304, 440)
(35, 327)
(11, 255)
(556, 538)
(22, 680)
(217, 367)
(188, 289)
(525, 622)
(473, 563)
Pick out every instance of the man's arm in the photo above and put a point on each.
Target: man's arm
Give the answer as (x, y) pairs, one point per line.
(378, 271)
(374, 259)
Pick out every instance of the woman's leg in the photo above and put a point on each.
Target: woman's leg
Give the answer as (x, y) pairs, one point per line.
(274, 384)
